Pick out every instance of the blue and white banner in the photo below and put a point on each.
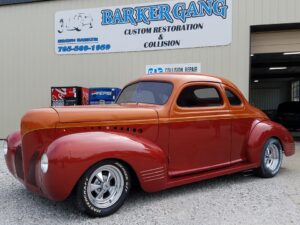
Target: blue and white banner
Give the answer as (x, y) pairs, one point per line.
(174, 68)
(143, 27)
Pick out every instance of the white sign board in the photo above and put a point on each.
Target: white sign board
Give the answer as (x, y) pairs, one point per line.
(174, 68)
(146, 26)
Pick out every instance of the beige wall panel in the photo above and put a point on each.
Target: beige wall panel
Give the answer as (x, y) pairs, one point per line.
(29, 65)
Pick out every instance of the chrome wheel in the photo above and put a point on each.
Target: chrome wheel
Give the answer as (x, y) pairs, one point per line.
(272, 157)
(105, 186)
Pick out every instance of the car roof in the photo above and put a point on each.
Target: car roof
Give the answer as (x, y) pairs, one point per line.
(181, 78)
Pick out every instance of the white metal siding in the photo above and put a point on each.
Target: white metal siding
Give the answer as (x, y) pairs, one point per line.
(29, 66)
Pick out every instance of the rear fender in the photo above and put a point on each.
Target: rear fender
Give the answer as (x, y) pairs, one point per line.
(264, 131)
(72, 155)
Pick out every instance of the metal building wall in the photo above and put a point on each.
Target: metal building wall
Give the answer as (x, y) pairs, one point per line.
(274, 92)
(29, 65)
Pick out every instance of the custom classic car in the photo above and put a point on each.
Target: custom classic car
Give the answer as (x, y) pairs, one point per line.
(164, 131)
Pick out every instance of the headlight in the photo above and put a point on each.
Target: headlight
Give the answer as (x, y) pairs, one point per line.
(44, 163)
(4, 146)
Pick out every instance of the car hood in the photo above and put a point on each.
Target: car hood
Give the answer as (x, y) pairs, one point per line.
(48, 118)
(106, 113)
(39, 119)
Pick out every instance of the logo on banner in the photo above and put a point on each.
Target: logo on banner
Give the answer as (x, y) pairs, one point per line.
(153, 70)
(78, 22)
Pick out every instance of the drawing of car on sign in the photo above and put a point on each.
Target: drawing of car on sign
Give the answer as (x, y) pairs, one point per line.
(78, 22)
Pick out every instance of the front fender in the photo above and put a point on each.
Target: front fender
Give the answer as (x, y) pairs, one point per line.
(13, 140)
(261, 133)
(72, 155)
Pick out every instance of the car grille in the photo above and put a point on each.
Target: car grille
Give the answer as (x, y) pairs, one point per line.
(31, 172)
(19, 162)
(153, 174)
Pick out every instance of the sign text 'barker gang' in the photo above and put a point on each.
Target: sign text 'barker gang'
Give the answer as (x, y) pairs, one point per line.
(163, 12)
(142, 27)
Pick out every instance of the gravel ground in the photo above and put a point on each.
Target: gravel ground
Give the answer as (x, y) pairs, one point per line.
(234, 199)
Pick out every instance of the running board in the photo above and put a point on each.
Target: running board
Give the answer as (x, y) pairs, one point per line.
(173, 182)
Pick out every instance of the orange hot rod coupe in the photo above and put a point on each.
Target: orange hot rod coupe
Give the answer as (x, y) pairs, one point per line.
(164, 131)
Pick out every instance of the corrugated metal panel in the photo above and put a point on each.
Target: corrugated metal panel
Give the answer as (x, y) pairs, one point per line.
(29, 66)
(266, 99)
(268, 94)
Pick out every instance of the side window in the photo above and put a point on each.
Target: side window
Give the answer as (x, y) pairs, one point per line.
(233, 99)
(199, 96)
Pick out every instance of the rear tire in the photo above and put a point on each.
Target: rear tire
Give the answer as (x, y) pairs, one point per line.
(103, 189)
(271, 159)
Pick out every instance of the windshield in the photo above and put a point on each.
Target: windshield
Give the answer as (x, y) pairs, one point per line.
(156, 93)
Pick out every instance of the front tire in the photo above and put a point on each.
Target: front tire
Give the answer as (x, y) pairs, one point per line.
(271, 159)
(102, 190)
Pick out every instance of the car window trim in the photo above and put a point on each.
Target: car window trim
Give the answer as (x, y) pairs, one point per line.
(242, 106)
(155, 81)
(203, 108)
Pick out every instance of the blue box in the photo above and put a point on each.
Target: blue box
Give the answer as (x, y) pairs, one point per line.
(104, 94)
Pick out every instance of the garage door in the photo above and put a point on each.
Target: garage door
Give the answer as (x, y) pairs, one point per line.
(275, 41)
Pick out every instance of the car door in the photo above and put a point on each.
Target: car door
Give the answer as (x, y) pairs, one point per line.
(200, 129)
(242, 122)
